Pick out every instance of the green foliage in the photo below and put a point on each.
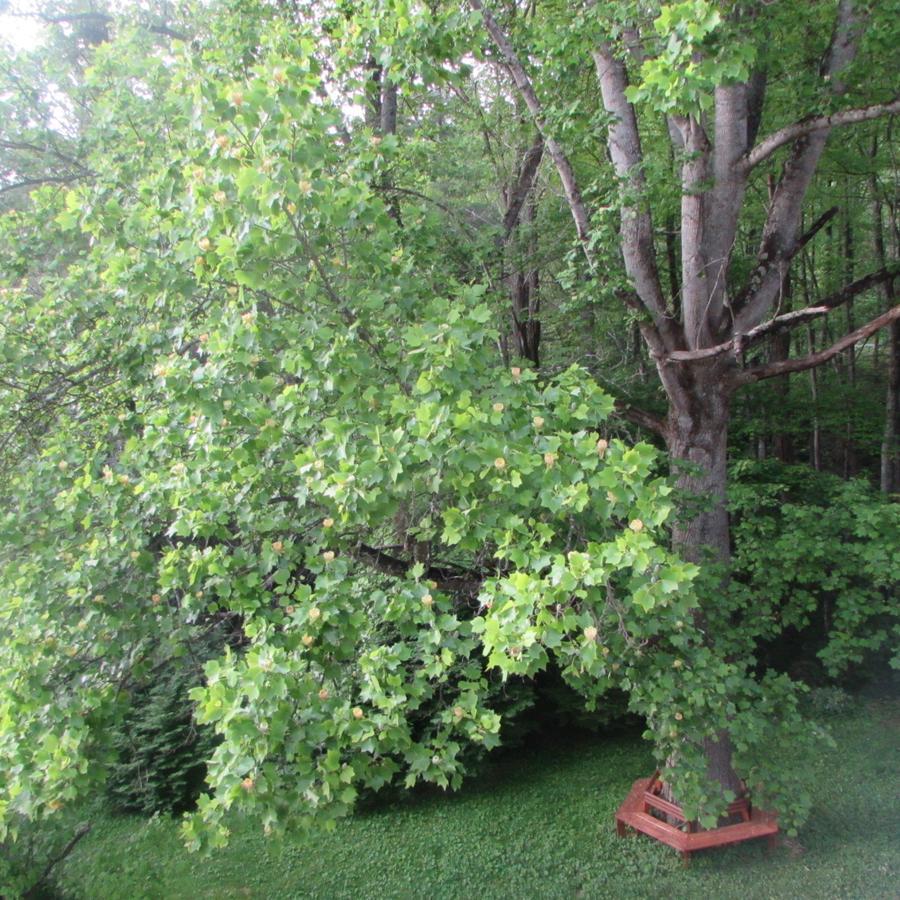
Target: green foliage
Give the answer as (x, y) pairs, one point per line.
(830, 701)
(814, 550)
(162, 753)
(240, 389)
(29, 856)
(695, 58)
(294, 388)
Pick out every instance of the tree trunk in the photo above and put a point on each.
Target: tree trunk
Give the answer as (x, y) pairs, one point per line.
(849, 465)
(715, 172)
(697, 440)
(889, 444)
(780, 349)
(719, 752)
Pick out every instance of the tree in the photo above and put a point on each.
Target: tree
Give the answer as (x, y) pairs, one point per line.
(273, 411)
(709, 81)
(253, 385)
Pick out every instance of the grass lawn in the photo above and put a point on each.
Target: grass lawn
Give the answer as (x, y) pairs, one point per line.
(537, 823)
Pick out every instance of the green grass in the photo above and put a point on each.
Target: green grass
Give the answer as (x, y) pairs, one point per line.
(537, 823)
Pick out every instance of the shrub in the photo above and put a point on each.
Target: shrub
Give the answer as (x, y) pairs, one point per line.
(818, 558)
(162, 751)
(32, 850)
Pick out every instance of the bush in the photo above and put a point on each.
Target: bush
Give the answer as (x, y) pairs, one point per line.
(829, 701)
(817, 560)
(31, 852)
(162, 751)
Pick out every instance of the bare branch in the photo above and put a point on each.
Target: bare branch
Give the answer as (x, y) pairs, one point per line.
(789, 320)
(557, 154)
(80, 832)
(662, 332)
(624, 144)
(788, 366)
(524, 182)
(447, 579)
(766, 265)
(106, 19)
(768, 145)
(697, 300)
(756, 94)
(722, 206)
(642, 418)
(779, 237)
(37, 182)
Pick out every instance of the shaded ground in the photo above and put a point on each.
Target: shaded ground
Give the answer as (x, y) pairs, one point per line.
(535, 824)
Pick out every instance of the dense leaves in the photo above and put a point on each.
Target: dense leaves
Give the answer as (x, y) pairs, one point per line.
(250, 394)
(816, 556)
(298, 407)
(161, 751)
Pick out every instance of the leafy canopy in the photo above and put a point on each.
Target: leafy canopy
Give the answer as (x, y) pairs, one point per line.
(289, 375)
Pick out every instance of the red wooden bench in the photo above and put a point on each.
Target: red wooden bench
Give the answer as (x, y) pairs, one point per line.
(685, 837)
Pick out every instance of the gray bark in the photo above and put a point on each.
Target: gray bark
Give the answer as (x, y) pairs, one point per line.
(624, 145)
(697, 441)
(388, 111)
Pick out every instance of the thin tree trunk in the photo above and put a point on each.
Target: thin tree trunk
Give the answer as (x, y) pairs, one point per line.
(807, 275)
(387, 124)
(849, 450)
(782, 443)
(890, 443)
(373, 93)
(816, 453)
(780, 349)
(890, 457)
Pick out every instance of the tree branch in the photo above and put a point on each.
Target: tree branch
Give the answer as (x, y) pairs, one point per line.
(788, 366)
(722, 208)
(636, 228)
(642, 418)
(789, 320)
(768, 145)
(106, 19)
(80, 832)
(37, 182)
(523, 184)
(660, 333)
(465, 581)
(557, 154)
(766, 265)
(779, 237)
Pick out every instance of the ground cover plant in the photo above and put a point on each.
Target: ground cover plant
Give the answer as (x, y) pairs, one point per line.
(537, 823)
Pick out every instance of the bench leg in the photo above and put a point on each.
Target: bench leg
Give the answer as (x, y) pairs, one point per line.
(620, 828)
